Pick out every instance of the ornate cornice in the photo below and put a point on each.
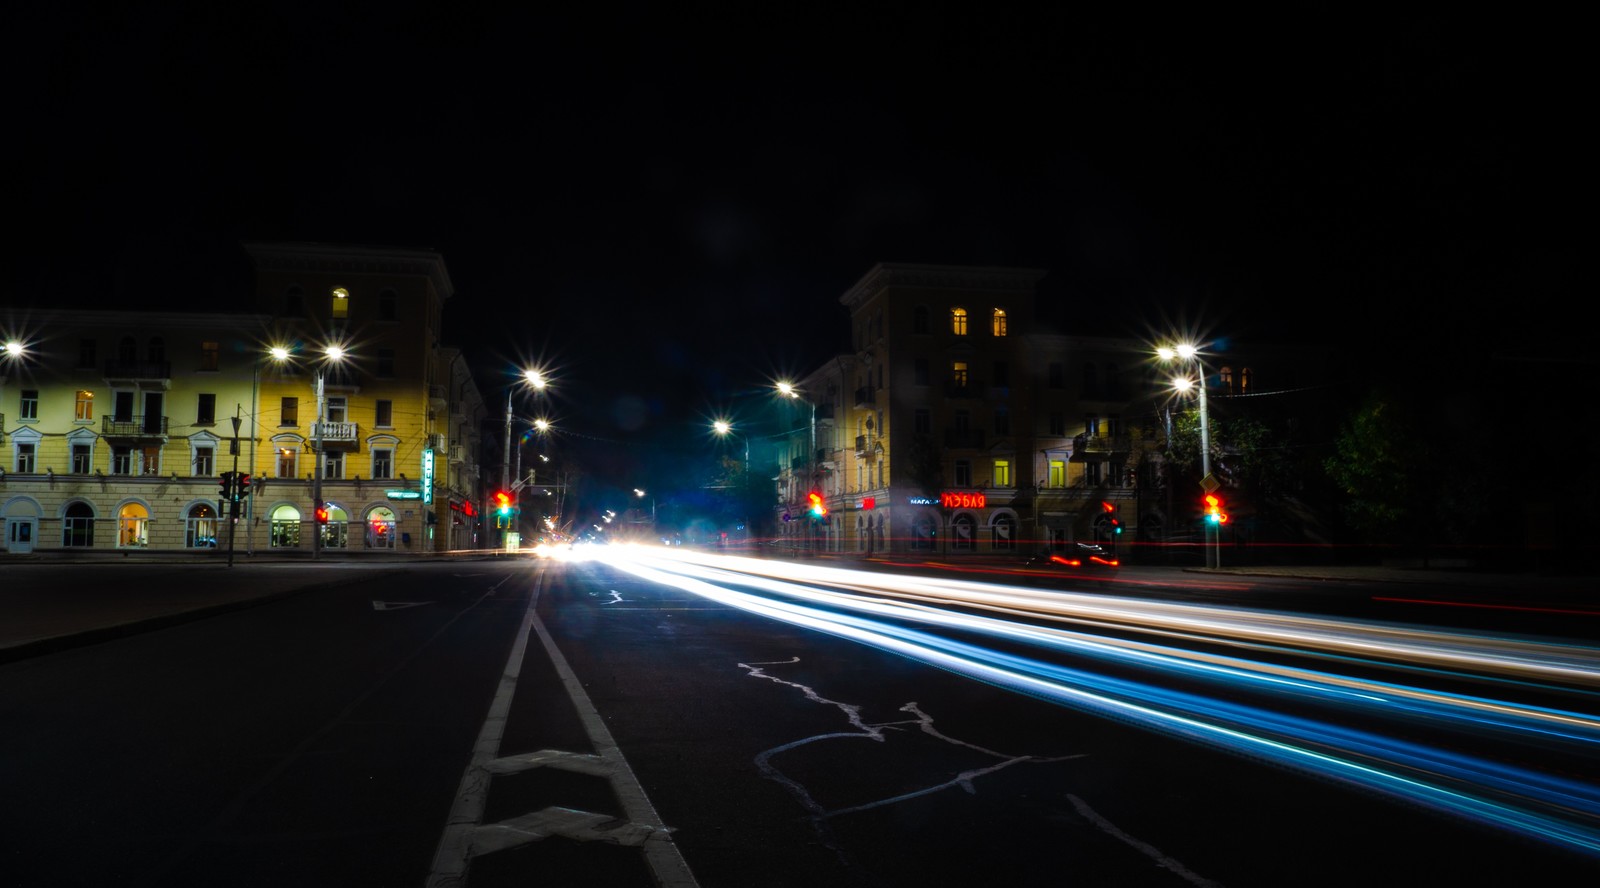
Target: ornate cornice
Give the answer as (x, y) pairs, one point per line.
(338, 259)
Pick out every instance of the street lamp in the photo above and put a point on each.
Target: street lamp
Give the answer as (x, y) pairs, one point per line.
(12, 353)
(789, 390)
(331, 354)
(1187, 354)
(534, 379)
(641, 495)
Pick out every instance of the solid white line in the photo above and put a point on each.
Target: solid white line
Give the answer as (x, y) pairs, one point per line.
(660, 852)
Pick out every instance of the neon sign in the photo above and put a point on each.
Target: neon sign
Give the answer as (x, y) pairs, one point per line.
(427, 475)
(958, 499)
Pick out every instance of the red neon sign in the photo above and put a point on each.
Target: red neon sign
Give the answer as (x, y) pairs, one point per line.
(957, 499)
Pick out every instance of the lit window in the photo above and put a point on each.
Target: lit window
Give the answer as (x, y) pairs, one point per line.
(958, 321)
(1244, 380)
(84, 409)
(1002, 473)
(288, 462)
(1058, 473)
(341, 303)
(958, 373)
(999, 322)
(1225, 379)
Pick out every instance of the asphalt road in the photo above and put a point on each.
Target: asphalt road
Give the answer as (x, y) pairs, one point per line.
(497, 723)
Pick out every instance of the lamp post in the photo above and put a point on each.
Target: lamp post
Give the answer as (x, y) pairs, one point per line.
(789, 390)
(12, 353)
(723, 429)
(534, 379)
(1187, 354)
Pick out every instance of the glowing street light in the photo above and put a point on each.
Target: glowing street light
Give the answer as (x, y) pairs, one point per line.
(1190, 354)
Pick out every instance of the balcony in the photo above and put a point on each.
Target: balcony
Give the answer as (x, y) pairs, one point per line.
(335, 435)
(967, 439)
(135, 372)
(964, 388)
(1098, 444)
(866, 396)
(133, 427)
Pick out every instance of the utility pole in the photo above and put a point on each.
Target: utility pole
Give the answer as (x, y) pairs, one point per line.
(233, 488)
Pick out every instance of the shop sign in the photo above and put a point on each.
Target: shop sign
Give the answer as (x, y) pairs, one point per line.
(961, 499)
(427, 475)
(403, 494)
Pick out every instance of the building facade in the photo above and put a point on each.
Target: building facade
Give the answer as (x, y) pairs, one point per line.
(117, 426)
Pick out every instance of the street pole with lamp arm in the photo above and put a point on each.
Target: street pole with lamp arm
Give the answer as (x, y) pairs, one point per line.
(1189, 353)
(724, 428)
(535, 379)
(789, 389)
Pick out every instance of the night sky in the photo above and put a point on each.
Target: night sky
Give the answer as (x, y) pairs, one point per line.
(664, 205)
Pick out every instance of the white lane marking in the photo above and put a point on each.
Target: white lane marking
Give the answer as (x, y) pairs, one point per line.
(397, 605)
(923, 722)
(660, 852)
(464, 838)
(1144, 848)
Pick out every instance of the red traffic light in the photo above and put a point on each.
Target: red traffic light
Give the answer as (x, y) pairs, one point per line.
(322, 514)
(1214, 513)
(814, 505)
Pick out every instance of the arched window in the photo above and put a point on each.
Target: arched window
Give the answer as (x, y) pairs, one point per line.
(336, 533)
(1225, 379)
(340, 308)
(77, 525)
(380, 529)
(958, 321)
(999, 322)
(963, 532)
(127, 351)
(133, 526)
(200, 527)
(285, 523)
(1004, 530)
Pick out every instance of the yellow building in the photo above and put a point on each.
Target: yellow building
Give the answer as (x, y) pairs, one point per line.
(116, 427)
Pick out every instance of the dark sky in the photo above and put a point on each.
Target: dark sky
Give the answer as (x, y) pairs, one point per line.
(665, 204)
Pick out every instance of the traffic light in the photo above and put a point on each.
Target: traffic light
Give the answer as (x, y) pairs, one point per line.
(1214, 513)
(502, 509)
(1109, 519)
(815, 506)
(225, 487)
(322, 516)
(244, 484)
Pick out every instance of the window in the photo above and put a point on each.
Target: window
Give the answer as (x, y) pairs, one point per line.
(1055, 377)
(122, 461)
(29, 404)
(919, 371)
(205, 412)
(1244, 380)
(133, 526)
(1002, 419)
(382, 463)
(333, 464)
(922, 421)
(86, 353)
(288, 462)
(958, 373)
(290, 412)
(962, 420)
(337, 410)
(285, 522)
(958, 321)
(383, 414)
(150, 460)
(340, 309)
(388, 306)
(127, 352)
(1002, 473)
(1058, 473)
(1091, 425)
(77, 526)
(999, 322)
(26, 451)
(210, 355)
(83, 410)
(1225, 379)
(1058, 424)
(1002, 375)
(200, 527)
(157, 350)
(1005, 532)
(919, 319)
(963, 473)
(1091, 474)
(205, 461)
(294, 302)
(386, 362)
(82, 459)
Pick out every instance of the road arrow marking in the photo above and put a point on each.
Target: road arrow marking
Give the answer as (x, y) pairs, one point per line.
(584, 826)
(397, 605)
(578, 763)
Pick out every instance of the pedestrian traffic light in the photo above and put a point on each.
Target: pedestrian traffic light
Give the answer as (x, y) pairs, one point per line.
(1214, 513)
(815, 506)
(244, 484)
(322, 515)
(225, 485)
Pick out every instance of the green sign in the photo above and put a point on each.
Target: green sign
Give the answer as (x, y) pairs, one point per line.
(403, 494)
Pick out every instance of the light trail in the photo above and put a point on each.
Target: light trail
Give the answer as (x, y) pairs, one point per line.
(874, 609)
